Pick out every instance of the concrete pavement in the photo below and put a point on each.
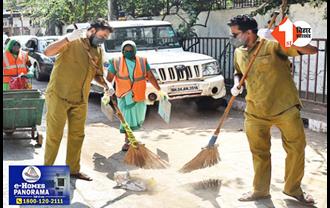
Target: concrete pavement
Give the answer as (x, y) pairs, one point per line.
(180, 141)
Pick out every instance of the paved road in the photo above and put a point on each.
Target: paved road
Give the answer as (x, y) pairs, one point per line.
(178, 142)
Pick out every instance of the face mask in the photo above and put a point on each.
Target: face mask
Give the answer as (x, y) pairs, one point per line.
(129, 54)
(95, 41)
(14, 50)
(237, 42)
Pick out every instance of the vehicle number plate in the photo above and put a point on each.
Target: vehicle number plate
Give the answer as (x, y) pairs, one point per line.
(185, 88)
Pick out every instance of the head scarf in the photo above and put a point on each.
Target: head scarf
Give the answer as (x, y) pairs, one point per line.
(128, 42)
(10, 45)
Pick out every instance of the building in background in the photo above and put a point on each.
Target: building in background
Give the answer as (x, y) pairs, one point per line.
(15, 23)
(18, 22)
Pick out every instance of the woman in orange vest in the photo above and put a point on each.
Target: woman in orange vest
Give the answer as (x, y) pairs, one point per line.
(15, 63)
(131, 74)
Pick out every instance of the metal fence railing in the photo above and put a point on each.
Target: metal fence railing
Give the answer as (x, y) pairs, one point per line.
(218, 48)
(308, 71)
(246, 3)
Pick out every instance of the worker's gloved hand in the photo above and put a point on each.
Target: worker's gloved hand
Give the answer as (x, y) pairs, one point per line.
(76, 34)
(163, 95)
(29, 75)
(266, 33)
(106, 96)
(235, 91)
(105, 99)
(22, 75)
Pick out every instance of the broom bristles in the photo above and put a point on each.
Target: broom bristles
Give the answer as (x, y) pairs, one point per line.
(142, 157)
(208, 157)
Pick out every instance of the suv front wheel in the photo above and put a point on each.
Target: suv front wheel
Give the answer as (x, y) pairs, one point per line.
(37, 73)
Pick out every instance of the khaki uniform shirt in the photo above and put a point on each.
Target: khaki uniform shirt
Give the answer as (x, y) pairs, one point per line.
(73, 72)
(270, 86)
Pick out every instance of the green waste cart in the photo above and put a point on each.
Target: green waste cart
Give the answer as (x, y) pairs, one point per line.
(22, 111)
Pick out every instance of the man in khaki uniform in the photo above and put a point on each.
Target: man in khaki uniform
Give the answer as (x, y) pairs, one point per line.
(68, 90)
(272, 99)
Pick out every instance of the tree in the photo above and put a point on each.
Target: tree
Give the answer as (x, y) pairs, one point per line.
(194, 7)
(55, 13)
(272, 4)
(141, 8)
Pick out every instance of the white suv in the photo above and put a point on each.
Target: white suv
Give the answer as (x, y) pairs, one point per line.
(180, 73)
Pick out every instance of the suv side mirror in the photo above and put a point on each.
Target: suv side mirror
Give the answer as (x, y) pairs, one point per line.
(30, 50)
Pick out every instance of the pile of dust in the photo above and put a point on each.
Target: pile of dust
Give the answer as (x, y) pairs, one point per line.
(167, 179)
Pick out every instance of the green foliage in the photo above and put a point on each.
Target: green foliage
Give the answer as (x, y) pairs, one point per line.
(141, 8)
(59, 12)
(45, 12)
(193, 9)
(273, 4)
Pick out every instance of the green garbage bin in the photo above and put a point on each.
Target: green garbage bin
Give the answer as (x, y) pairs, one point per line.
(22, 111)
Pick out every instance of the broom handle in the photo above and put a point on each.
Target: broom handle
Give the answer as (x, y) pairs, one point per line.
(121, 118)
(118, 112)
(231, 101)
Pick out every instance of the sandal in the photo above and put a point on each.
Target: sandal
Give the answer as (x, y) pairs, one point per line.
(250, 196)
(304, 198)
(81, 176)
(125, 147)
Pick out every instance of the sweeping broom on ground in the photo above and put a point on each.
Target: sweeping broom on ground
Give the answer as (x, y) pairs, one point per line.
(209, 155)
(137, 154)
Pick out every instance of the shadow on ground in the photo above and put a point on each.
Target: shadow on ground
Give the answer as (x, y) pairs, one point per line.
(111, 164)
(18, 147)
(295, 203)
(207, 190)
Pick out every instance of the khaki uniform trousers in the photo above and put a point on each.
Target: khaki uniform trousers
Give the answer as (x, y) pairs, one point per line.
(293, 142)
(58, 111)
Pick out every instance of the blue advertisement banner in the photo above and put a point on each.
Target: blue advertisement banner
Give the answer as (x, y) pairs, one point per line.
(39, 185)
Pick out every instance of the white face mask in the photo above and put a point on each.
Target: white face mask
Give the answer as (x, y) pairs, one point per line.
(240, 40)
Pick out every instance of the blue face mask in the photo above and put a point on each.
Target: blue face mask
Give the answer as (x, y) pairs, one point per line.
(129, 54)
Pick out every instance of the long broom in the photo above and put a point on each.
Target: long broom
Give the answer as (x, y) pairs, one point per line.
(209, 155)
(137, 154)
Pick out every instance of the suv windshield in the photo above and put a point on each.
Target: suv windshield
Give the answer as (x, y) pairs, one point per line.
(145, 38)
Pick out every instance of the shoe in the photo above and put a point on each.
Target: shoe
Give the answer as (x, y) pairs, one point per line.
(304, 198)
(81, 176)
(250, 196)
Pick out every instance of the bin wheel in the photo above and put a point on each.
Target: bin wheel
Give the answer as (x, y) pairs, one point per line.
(39, 139)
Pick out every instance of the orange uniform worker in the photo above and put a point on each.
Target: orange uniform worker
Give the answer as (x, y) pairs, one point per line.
(15, 62)
(131, 74)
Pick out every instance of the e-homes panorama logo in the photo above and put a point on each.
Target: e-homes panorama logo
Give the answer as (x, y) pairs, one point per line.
(31, 174)
(298, 33)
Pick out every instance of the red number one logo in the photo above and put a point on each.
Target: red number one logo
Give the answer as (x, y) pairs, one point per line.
(285, 33)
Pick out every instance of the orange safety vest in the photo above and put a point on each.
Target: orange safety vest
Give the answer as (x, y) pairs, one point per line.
(14, 66)
(123, 82)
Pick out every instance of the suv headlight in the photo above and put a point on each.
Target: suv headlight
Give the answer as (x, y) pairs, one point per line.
(211, 68)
